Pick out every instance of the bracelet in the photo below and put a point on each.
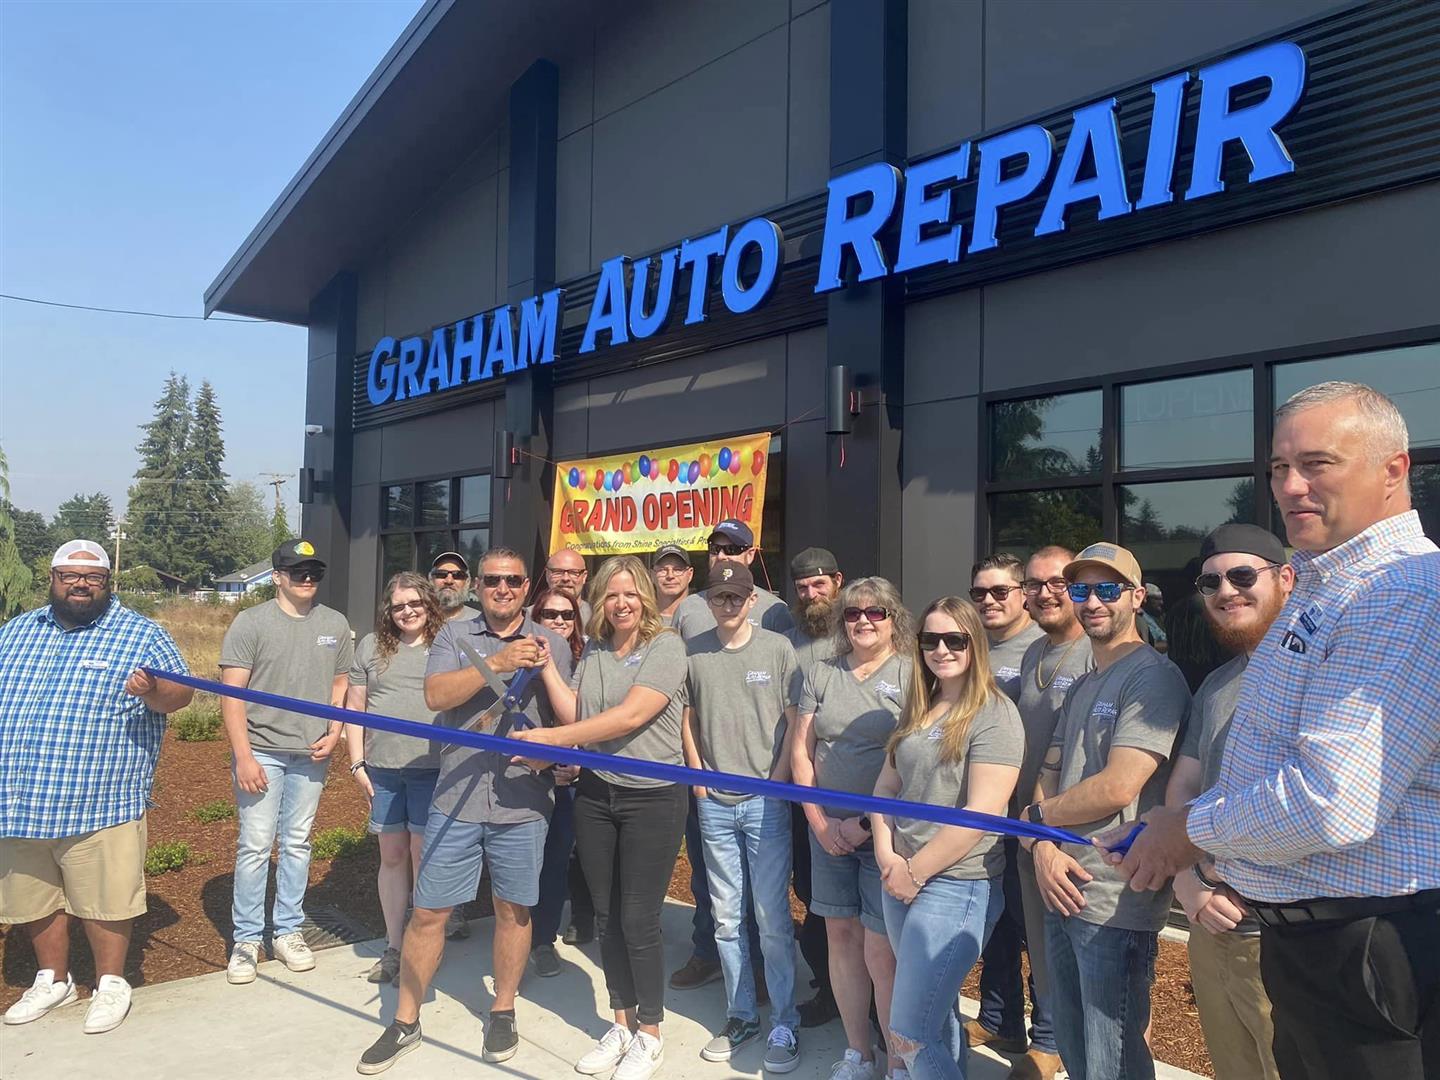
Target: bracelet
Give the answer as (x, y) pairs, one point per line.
(911, 872)
(1200, 876)
(361, 764)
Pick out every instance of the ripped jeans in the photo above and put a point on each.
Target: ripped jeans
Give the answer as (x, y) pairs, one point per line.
(937, 939)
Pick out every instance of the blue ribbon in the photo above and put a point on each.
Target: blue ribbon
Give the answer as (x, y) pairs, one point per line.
(653, 770)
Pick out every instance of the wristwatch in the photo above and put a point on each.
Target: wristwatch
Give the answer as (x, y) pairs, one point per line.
(1034, 814)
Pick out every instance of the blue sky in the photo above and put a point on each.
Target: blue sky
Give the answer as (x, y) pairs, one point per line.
(139, 143)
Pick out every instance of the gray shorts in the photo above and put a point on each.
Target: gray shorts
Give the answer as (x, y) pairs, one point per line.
(846, 886)
(454, 852)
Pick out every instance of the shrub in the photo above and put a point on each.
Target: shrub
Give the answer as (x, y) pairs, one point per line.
(199, 721)
(255, 597)
(166, 856)
(219, 810)
(340, 842)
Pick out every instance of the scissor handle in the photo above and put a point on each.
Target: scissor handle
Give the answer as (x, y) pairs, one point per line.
(1123, 847)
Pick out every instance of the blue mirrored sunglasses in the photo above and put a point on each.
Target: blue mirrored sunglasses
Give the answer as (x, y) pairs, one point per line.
(1107, 591)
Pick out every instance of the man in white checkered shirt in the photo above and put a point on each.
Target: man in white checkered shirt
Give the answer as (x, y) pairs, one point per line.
(1326, 815)
(80, 731)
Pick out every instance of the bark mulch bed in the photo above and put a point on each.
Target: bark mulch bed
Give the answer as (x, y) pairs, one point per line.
(187, 928)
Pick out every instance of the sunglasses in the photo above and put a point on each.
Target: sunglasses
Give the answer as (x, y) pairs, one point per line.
(1107, 591)
(304, 575)
(872, 614)
(441, 575)
(72, 577)
(492, 581)
(1034, 586)
(954, 641)
(408, 605)
(999, 592)
(564, 614)
(732, 550)
(1242, 577)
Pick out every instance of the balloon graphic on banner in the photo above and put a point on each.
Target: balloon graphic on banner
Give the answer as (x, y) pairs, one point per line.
(617, 480)
(644, 466)
(673, 470)
(605, 480)
(581, 484)
(757, 462)
(704, 464)
(599, 479)
(725, 457)
(694, 471)
(574, 478)
(628, 471)
(734, 464)
(715, 465)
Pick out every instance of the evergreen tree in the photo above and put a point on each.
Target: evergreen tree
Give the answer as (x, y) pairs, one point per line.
(14, 574)
(83, 517)
(202, 495)
(32, 532)
(158, 528)
(248, 530)
(279, 526)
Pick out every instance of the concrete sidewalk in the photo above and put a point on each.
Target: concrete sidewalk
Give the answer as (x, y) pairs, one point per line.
(314, 1026)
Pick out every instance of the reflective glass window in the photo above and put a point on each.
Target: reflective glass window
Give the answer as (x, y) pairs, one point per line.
(1056, 435)
(1023, 521)
(434, 502)
(1198, 420)
(474, 499)
(398, 506)
(1409, 376)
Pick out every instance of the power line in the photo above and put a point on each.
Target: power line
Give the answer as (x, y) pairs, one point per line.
(126, 311)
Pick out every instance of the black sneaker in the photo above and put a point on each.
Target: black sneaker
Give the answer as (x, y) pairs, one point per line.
(394, 1044)
(819, 1010)
(501, 1038)
(736, 1034)
(579, 932)
(547, 963)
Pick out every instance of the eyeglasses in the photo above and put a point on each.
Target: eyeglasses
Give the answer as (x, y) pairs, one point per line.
(1034, 586)
(726, 600)
(1242, 577)
(1107, 591)
(72, 577)
(457, 575)
(492, 581)
(671, 570)
(873, 614)
(954, 641)
(302, 576)
(553, 572)
(999, 592)
(564, 614)
(408, 605)
(732, 550)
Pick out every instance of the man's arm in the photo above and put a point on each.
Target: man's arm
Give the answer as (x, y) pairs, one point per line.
(451, 689)
(1106, 793)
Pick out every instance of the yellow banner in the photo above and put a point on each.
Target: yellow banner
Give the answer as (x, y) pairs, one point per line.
(632, 503)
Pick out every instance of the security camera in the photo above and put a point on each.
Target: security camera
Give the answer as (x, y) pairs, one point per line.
(314, 429)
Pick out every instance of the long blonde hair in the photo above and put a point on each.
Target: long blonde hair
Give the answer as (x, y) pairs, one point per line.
(977, 691)
(650, 624)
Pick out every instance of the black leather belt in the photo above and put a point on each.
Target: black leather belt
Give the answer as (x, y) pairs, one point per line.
(1345, 909)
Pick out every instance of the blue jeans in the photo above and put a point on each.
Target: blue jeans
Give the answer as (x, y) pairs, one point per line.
(747, 850)
(286, 808)
(1002, 991)
(555, 870)
(402, 799)
(454, 853)
(1100, 979)
(702, 923)
(936, 940)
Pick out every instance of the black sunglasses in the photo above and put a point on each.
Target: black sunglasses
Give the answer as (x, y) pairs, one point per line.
(999, 592)
(874, 614)
(732, 550)
(1107, 591)
(307, 574)
(1242, 577)
(458, 575)
(408, 605)
(492, 581)
(567, 614)
(953, 640)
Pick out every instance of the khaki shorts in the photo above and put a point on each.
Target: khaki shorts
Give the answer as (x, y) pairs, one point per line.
(96, 875)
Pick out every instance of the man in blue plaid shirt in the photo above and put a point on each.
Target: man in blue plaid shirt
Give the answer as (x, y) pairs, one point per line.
(1326, 814)
(80, 731)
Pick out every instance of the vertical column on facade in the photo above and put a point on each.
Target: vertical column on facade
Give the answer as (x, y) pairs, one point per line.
(866, 322)
(521, 518)
(329, 403)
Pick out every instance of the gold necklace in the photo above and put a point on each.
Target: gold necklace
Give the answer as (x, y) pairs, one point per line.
(1040, 664)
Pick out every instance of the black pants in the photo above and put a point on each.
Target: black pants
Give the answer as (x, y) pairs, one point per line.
(628, 839)
(1356, 1000)
(814, 945)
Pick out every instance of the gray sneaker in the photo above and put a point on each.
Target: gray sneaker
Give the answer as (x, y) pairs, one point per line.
(734, 1035)
(387, 968)
(782, 1054)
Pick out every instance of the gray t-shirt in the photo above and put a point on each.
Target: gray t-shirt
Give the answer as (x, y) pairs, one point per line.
(395, 686)
(739, 697)
(809, 651)
(1140, 701)
(1005, 657)
(995, 738)
(853, 722)
(602, 680)
(1057, 667)
(481, 786)
(693, 617)
(298, 656)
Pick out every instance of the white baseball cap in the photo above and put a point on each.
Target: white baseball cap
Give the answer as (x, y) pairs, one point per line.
(65, 556)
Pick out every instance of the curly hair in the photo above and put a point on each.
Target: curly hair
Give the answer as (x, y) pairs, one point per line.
(865, 591)
(650, 624)
(573, 639)
(387, 636)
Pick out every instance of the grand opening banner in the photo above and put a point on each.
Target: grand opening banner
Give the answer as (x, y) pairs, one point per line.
(625, 504)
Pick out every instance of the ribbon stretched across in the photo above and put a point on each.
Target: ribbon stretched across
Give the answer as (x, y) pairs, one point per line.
(653, 770)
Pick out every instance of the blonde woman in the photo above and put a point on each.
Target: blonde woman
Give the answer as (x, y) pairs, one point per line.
(396, 772)
(848, 710)
(627, 829)
(960, 743)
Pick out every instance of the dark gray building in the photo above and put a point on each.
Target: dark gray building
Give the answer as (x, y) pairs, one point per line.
(1107, 367)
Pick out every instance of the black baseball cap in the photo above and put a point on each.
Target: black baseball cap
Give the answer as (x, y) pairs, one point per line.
(294, 553)
(734, 578)
(1243, 539)
(811, 562)
(736, 531)
(665, 551)
(451, 556)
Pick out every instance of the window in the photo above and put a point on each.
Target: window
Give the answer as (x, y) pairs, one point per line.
(1205, 420)
(1046, 437)
(420, 520)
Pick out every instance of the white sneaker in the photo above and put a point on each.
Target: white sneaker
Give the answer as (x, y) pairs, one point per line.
(44, 994)
(291, 950)
(606, 1053)
(244, 962)
(853, 1067)
(109, 1006)
(645, 1055)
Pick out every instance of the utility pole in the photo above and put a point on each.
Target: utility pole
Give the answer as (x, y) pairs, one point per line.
(275, 481)
(117, 534)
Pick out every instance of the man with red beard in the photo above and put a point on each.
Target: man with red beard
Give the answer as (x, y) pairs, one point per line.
(1245, 581)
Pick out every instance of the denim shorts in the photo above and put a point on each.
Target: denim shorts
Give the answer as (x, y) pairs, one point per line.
(846, 886)
(402, 799)
(454, 852)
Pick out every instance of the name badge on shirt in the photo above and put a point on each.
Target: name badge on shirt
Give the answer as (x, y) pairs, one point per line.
(1298, 638)
(94, 665)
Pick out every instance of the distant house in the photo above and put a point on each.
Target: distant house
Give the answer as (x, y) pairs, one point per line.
(236, 584)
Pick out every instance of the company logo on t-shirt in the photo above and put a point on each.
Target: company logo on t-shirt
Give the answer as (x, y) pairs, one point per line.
(889, 690)
(1005, 674)
(329, 641)
(633, 659)
(757, 678)
(1105, 710)
(936, 733)
(1062, 682)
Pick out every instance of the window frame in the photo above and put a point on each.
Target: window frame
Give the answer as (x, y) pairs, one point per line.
(453, 527)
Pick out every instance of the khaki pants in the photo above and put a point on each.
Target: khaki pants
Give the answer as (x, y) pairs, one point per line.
(1234, 1008)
